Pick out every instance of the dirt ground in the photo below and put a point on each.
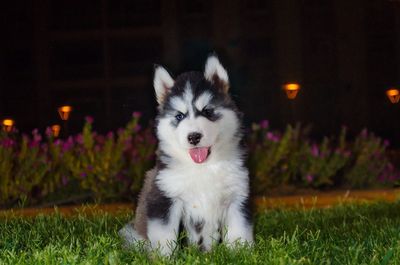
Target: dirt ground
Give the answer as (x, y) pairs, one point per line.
(306, 201)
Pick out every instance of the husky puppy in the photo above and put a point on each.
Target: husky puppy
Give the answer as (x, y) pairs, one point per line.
(199, 179)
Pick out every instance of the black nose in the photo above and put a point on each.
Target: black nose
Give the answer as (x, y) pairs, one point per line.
(194, 138)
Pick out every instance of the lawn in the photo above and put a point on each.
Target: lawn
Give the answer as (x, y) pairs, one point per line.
(346, 234)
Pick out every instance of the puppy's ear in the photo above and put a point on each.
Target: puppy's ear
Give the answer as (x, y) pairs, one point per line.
(162, 82)
(216, 74)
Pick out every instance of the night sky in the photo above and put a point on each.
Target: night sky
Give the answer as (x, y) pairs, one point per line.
(98, 57)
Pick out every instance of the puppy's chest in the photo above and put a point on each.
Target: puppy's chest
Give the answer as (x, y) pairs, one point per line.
(199, 188)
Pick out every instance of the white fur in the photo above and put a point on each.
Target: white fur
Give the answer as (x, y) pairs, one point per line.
(188, 95)
(179, 104)
(130, 235)
(163, 236)
(203, 100)
(210, 193)
(215, 189)
(237, 230)
(162, 83)
(214, 67)
(183, 104)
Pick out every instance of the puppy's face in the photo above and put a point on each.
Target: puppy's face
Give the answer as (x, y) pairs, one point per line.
(196, 115)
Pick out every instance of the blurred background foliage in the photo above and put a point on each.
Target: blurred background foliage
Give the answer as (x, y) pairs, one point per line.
(89, 166)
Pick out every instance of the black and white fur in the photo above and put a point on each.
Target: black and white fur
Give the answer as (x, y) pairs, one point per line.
(209, 198)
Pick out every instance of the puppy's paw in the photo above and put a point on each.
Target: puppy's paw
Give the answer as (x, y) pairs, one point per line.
(130, 236)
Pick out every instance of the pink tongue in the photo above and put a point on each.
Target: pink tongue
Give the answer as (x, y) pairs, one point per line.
(199, 154)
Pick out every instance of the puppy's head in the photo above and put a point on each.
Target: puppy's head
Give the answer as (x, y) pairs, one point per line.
(197, 120)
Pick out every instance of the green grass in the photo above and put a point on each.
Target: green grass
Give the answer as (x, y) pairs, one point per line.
(352, 234)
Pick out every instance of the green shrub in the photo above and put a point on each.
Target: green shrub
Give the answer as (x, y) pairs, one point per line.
(291, 159)
(105, 167)
(112, 167)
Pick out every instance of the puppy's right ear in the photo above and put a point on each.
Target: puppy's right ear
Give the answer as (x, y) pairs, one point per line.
(162, 82)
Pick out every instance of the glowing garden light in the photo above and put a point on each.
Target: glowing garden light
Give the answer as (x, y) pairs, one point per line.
(393, 94)
(55, 129)
(291, 90)
(64, 112)
(8, 125)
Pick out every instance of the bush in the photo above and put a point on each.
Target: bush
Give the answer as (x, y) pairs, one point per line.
(35, 169)
(104, 167)
(292, 159)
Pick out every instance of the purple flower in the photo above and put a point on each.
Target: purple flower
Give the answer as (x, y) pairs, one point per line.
(309, 178)
(386, 143)
(83, 175)
(364, 133)
(8, 143)
(264, 124)
(110, 135)
(377, 154)
(97, 148)
(67, 145)
(390, 167)
(49, 132)
(44, 147)
(128, 143)
(79, 138)
(346, 153)
(272, 137)
(389, 174)
(137, 128)
(136, 114)
(382, 178)
(64, 180)
(33, 144)
(89, 119)
(120, 177)
(37, 138)
(314, 150)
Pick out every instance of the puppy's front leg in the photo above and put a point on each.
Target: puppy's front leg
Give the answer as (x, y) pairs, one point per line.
(163, 224)
(238, 226)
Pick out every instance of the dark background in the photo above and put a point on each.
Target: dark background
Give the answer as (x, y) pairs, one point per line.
(98, 57)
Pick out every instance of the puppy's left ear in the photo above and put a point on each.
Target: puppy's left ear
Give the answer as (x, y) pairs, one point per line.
(162, 82)
(216, 74)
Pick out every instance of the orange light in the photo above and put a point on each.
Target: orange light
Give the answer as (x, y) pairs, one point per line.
(64, 112)
(291, 90)
(55, 129)
(8, 125)
(393, 94)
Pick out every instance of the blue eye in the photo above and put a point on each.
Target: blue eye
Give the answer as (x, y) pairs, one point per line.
(179, 116)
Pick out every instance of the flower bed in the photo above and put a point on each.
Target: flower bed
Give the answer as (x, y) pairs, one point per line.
(91, 166)
(292, 159)
(85, 166)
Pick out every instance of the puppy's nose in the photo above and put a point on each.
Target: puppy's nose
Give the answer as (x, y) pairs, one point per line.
(194, 138)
